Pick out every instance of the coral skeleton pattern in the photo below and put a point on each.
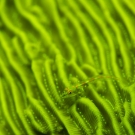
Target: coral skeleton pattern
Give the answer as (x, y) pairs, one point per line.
(48, 51)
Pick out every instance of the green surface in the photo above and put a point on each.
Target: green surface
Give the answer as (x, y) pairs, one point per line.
(49, 45)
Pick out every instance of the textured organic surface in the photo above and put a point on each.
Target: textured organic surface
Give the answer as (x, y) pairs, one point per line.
(49, 45)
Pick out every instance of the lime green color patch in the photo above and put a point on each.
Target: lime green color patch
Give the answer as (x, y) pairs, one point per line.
(67, 67)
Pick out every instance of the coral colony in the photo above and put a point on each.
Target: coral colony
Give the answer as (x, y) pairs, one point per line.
(67, 67)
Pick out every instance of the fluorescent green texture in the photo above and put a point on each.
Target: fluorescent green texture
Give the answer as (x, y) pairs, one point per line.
(48, 45)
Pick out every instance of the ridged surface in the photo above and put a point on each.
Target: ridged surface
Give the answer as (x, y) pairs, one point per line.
(49, 45)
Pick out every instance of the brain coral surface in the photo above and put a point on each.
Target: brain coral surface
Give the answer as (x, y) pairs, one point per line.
(67, 67)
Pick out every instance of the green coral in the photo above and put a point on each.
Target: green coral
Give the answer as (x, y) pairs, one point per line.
(49, 52)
